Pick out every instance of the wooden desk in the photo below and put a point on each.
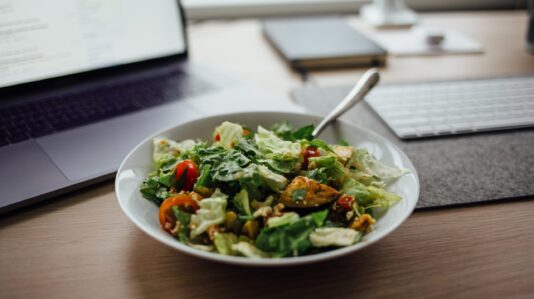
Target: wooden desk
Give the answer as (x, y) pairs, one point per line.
(82, 246)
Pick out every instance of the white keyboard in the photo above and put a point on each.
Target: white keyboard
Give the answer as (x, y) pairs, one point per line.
(455, 107)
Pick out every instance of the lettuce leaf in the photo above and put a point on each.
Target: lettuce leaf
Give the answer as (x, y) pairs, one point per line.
(382, 198)
(228, 134)
(224, 243)
(249, 250)
(275, 181)
(370, 195)
(281, 155)
(212, 211)
(285, 219)
(166, 150)
(334, 236)
(359, 191)
(242, 203)
(365, 163)
(331, 166)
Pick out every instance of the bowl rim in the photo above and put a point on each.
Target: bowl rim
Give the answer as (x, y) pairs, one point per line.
(267, 262)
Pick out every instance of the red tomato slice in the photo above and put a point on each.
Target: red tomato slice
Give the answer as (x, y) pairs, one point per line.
(181, 200)
(308, 152)
(187, 174)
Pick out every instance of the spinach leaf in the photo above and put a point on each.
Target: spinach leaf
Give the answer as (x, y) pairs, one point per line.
(303, 133)
(343, 142)
(252, 181)
(227, 171)
(318, 174)
(154, 190)
(291, 239)
(242, 203)
(320, 144)
(229, 166)
(204, 178)
(249, 148)
(280, 164)
(185, 219)
(211, 155)
(285, 131)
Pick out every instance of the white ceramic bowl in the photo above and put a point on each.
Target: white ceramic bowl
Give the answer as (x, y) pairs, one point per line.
(144, 213)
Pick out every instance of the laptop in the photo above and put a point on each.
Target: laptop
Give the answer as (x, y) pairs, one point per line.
(81, 83)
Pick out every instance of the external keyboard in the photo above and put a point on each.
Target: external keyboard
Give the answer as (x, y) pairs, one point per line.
(455, 107)
(58, 113)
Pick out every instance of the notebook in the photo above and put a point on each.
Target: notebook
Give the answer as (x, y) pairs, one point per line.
(322, 42)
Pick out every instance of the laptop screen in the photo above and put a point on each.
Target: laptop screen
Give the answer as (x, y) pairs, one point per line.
(41, 39)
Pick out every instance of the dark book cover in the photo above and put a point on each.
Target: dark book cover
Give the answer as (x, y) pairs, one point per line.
(322, 42)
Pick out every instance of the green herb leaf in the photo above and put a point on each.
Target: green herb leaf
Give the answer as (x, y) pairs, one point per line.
(343, 142)
(318, 174)
(224, 243)
(242, 203)
(204, 178)
(184, 218)
(298, 195)
(291, 239)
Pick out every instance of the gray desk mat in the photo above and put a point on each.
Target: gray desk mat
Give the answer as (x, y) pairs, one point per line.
(452, 170)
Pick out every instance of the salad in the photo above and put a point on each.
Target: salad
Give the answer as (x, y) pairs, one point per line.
(267, 193)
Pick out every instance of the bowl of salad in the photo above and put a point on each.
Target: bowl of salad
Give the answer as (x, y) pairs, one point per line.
(257, 188)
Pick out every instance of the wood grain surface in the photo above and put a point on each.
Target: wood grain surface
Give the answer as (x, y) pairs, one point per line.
(82, 246)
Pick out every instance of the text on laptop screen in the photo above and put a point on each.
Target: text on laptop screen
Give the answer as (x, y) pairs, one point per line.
(42, 39)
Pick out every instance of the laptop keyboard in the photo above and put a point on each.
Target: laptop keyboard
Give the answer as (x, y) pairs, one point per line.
(44, 117)
(455, 107)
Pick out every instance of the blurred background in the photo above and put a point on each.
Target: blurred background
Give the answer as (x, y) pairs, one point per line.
(206, 9)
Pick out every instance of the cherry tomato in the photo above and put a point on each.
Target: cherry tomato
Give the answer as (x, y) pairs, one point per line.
(309, 152)
(345, 202)
(181, 200)
(217, 137)
(187, 173)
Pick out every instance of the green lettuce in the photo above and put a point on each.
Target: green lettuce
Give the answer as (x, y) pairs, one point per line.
(184, 219)
(383, 199)
(157, 186)
(229, 134)
(334, 236)
(370, 195)
(286, 131)
(372, 169)
(212, 211)
(275, 181)
(330, 165)
(285, 219)
(360, 192)
(247, 249)
(242, 203)
(224, 242)
(166, 150)
(291, 239)
(281, 155)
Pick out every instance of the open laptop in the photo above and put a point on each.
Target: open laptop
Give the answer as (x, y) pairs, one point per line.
(82, 82)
